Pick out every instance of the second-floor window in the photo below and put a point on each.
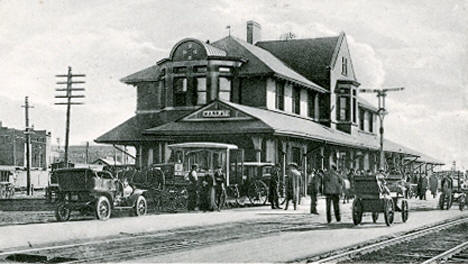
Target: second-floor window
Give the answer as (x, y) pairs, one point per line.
(343, 114)
(279, 104)
(344, 66)
(200, 84)
(311, 103)
(361, 119)
(225, 88)
(296, 100)
(371, 122)
(180, 91)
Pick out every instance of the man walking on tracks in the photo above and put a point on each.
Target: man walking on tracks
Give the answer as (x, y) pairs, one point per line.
(292, 183)
(220, 188)
(273, 187)
(192, 188)
(332, 188)
(315, 180)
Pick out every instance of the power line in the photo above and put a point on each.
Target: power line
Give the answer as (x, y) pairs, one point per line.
(69, 96)
(381, 94)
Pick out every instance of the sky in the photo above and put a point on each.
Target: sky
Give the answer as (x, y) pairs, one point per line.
(421, 45)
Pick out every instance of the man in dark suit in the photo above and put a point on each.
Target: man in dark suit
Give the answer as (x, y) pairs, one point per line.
(332, 188)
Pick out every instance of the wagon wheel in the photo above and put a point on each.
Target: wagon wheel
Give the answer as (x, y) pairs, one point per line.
(103, 208)
(461, 202)
(389, 211)
(232, 193)
(140, 207)
(182, 199)
(258, 193)
(375, 217)
(404, 211)
(62, 212)
(357, 211)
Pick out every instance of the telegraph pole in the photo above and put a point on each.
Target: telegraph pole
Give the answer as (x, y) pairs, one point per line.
(381, 94)
(27, 132)
(69, 96)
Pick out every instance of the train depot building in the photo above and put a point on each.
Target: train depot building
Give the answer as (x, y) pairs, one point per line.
(279, 101)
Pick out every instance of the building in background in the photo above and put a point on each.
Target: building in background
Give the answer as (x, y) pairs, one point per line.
(82, 154)
(13, 147)
(282, 101)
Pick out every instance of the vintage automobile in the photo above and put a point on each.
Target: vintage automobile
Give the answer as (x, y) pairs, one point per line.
(7, 181)
(87, 190)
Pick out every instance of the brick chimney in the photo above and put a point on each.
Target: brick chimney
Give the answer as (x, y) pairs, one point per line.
(254, 31)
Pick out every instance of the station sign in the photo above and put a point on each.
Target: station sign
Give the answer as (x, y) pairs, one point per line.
(216, 113)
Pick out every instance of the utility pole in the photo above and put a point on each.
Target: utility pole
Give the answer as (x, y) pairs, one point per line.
(69, 96)
(87, 152)
(27, 132)
(381, 94)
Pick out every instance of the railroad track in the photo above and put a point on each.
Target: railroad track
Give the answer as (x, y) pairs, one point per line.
(155, 244)
(399, 255)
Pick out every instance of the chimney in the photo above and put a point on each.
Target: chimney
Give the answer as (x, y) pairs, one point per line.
(254, 31)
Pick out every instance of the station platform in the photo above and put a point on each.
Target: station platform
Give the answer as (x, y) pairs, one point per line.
(278, 247)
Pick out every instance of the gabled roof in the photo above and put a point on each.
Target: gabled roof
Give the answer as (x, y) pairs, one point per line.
(262, 62)
(308, 57)
(149, 74)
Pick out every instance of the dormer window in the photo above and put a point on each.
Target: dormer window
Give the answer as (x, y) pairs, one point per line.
(344, 66)
(224, 89)
(180, 91)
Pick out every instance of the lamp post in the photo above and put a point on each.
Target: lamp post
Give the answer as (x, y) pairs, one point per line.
(381, 112)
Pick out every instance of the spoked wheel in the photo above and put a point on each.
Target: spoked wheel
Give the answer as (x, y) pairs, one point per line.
(404, 211)
(140, 207)
(232, 193)
(375, 217)
(103, 208)
(461, 202)
(258, 193)
(357, 211)
(62, 212)
(389, 212)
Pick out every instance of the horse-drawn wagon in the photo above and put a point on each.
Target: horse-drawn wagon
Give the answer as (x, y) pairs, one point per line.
(373, 196)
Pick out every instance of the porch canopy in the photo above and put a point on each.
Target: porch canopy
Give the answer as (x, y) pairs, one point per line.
(226, 118)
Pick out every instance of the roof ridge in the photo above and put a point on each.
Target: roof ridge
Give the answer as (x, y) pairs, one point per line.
(298, 39)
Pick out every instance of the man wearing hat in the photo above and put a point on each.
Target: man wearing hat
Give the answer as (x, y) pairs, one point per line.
(273, 187)
(292, 183)
(192, 188)
(332, 183)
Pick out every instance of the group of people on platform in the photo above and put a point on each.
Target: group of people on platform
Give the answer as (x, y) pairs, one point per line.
(330, 183)
(205, 192)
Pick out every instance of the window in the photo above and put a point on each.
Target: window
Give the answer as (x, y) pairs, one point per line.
(361, 119)
(279, 104)
(200, 69)
(344, 66)
(354, 109)
(343, 114)
(180, 91)
(224, 89)
(296, 100)
(180, 70)
(201, 90)
(311, 103)
(371, 122)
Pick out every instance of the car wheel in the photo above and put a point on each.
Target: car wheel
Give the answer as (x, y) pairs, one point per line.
(103, 208)
(62, 212)
(140, 207)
